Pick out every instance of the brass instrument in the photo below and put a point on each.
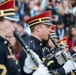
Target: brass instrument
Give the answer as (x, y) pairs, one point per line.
(63, 56)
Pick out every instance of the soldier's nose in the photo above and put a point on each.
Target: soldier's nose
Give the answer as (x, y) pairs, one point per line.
(50, 29)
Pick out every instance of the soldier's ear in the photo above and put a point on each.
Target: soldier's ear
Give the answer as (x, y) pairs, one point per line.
(37, 28)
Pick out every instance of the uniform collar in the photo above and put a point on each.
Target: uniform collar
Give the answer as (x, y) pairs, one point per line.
(4, 41)
(37, 41)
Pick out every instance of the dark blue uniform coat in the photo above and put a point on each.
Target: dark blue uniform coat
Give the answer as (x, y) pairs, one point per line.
(36, 45)
(8, 64)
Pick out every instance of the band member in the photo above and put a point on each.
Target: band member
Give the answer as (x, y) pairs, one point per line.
(40, 29)
(8, 63)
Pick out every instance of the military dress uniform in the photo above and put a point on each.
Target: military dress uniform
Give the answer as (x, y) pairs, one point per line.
(37, 45)
(8, 63)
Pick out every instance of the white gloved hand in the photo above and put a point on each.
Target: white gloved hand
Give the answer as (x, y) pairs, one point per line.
(28, 64)
(42, 70)
(69, 66)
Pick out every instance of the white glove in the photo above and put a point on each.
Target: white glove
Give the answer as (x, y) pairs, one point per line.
(42, 70)
(69, 66)
(28, 64)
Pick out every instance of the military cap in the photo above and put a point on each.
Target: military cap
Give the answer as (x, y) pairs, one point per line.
(41, 18)
(63, 42)
(7, 10)
(53, 33)
(53, 28)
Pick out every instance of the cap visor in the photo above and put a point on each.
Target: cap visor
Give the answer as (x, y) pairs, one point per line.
(54, 36)
(13, 18)
(48, 23)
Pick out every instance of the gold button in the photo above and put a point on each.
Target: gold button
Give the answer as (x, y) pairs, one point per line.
(40, 44)
(19, 70)
(5, 42)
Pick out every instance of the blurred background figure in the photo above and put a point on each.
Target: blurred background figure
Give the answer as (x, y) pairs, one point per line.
(32, 10)
(71, 36)
(74, 14)
(20, 4)
(74, 11)
(26, 26)
(37, 5)
(51, 8)
(16, 47)
(73, 3)
(73, 50)
(20, 29)
(18, 14)
(26, 7)
(60, 30)
(65, 7)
